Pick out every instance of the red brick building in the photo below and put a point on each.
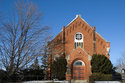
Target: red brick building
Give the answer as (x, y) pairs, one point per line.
(78, 41)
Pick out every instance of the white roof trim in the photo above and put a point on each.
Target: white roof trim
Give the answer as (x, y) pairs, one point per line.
(84, 21)
(96, 32)
(66, 26)
(101, 36)
(74, 19)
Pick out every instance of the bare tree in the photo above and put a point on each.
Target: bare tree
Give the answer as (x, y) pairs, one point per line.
(21, 37)
(121, 63)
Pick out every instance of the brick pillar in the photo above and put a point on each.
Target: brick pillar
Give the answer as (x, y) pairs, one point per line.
(94, 41)
(63, 41)
(68, 73)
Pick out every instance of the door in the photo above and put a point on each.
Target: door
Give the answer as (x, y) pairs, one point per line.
(78, 70)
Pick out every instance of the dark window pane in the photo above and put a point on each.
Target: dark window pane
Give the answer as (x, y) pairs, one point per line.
(81, 45)
(78, 36)
(78, 63)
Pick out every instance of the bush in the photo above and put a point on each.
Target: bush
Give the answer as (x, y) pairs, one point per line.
(4, 77)
(101, 64)
(100, 77)
(59, 68)
(116, 76)
(32, 74)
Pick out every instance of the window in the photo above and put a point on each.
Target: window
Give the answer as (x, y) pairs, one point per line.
(79, 63)
(78, 40)
(78, 36)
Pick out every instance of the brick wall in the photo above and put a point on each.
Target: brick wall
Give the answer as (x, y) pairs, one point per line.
(72, 54)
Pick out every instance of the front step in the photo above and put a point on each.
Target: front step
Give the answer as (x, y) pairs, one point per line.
(79, 81)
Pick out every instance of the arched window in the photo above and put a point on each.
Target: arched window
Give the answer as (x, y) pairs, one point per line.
(79, 63)
(78, 40)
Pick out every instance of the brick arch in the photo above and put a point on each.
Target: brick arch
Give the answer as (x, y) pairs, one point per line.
(78, 72)
(79, 54)
(76, 60)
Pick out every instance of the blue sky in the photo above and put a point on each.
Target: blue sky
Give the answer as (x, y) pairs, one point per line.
(107, 15)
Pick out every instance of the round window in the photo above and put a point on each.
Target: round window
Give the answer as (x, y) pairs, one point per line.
(78, 36)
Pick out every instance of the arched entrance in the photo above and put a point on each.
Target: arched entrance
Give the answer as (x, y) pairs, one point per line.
(78, 70)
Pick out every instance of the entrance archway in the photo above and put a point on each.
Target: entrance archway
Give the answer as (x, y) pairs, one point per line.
(78, 70)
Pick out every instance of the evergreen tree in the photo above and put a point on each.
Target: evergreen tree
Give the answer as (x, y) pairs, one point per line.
(34, 72)
(45, 61)
(45, 58)
(35, 65)
(59, 68)
(101, 64)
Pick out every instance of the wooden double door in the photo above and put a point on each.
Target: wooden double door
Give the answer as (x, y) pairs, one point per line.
(78, 72)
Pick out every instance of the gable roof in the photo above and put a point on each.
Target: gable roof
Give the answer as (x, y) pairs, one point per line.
(76, 18)
(79, 16)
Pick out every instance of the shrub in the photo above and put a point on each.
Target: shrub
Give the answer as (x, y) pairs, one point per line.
(101, 64)
(100, 77)
(59, 68)
(32, 74)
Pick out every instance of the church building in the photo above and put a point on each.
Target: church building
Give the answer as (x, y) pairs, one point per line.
(78, 41)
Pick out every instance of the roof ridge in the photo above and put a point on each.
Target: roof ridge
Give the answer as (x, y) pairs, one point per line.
(74, 19)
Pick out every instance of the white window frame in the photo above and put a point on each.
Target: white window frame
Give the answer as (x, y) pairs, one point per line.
(78, 43)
